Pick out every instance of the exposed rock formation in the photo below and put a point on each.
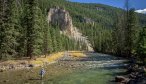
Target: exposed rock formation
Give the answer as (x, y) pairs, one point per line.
(62, 18)
(134, 75)
(88, 20)
(99, 8)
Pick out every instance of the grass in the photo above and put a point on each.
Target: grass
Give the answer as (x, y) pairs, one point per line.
(77, 54)
(37, 61)
(48, 59)
(56, 74)
(42, 61)
(31, 76)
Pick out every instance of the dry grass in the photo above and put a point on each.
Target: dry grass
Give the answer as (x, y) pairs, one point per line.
(37, 61)
(54, 57)
(48, 59)
(77, 54)
(41, 60)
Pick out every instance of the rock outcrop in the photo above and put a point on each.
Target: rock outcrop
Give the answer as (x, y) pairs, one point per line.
(135, 75)
(88, 20)
(62, 18)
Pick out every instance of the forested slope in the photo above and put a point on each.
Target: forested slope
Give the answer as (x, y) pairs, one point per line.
(105, 26)
(25, 31)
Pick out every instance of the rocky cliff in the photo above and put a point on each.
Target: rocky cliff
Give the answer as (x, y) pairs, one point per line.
(62, 18)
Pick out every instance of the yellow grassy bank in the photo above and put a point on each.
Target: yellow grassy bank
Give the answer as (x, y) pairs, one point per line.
(48, 59)
(40, 61)
(54, 57)
(77, 54)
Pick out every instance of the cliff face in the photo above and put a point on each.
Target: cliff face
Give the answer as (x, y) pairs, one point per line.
(62, 18)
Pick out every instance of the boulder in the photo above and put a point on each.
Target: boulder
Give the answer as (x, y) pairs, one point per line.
(132, 75)
(1, 70)
(133, 68)
(30, 65)
(131, 82)
(5, 81)
(11, 66)
(121, 79)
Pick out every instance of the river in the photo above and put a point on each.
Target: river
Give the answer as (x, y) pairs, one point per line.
(94, 69)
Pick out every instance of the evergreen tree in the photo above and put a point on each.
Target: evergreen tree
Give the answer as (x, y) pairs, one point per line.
(32, 27)
(54, 41)
(118, 35)
(7, 29)
(38, 29)
(129, 31)
(46, 39)
(141, 45)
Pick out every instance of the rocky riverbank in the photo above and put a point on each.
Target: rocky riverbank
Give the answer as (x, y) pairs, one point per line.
(27, 63)
(19, 65)
(135, 74)
(79, 59)
(96, 60)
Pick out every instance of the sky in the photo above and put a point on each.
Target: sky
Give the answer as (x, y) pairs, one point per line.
(139, 5)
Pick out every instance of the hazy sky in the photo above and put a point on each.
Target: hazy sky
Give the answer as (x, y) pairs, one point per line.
(137, 4)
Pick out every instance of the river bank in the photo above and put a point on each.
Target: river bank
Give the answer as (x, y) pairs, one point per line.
(40, 61)
(26, 63)
(71, 68)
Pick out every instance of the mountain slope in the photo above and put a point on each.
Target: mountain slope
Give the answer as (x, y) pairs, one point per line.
(27, 19)
(61, 17)
(93, 20)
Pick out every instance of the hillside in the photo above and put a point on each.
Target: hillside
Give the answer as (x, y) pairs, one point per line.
(95, 21)
(27, 33)
(62, 18)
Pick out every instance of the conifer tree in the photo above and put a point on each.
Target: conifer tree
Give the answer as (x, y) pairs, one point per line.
(33, 27)
(118, 35)
(46, 39)
(37, 29)
(129, 31)
(141, 45)
(7, 29)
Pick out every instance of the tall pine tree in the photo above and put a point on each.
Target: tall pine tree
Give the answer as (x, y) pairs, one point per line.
(33, 28)
(7, 29)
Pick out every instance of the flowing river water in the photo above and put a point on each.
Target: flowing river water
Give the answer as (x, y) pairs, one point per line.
(94, 69)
